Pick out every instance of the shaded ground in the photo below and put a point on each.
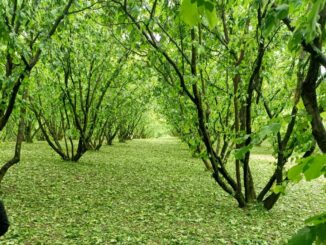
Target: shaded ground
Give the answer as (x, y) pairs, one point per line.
(141, 192)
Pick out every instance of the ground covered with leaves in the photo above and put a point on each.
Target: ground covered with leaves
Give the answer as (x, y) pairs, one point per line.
(141, 192)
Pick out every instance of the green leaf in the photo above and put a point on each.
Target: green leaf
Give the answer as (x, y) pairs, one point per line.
(210, 6)
(279, 188)
(282, 11)
(313, 166)
(269, 24)
(268, 130)
(189, 12)
(211, 16)
(320, 233)
(241, 152)
(316, 220)
(296, 40)
(294, 173)
(303, 237)
(273, 17)
(311, 26)
(315, 231)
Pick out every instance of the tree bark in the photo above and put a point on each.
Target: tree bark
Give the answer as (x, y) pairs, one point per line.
(19, 141)
(309, 97)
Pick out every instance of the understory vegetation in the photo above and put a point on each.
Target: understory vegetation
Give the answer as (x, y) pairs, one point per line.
(118, 196)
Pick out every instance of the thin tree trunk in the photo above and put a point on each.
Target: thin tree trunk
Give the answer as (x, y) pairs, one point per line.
(110, 137)
(236, 81)
(28, 133)
(19, 141)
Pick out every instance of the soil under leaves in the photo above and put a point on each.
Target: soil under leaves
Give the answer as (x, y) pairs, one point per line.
(141, 192)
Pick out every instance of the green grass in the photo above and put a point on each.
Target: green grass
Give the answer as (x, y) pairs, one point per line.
(141, 192)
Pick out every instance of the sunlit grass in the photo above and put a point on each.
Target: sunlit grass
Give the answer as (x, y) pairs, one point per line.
(141, 192)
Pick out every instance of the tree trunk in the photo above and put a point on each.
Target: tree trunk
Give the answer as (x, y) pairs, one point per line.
(110, 137)
(19, 140)
(80, 151)
(28, 135)
(236, 81)
(309, 98)
(208, 166)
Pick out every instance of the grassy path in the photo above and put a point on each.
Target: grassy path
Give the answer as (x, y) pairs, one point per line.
(142, 192)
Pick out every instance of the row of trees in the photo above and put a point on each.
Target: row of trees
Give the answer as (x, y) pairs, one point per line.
(228, 75)
(232, 81)
(246, 71)
(67, 78)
